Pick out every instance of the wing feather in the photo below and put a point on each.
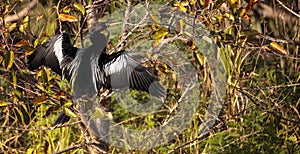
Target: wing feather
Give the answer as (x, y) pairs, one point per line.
(121, 70)
(56, 53)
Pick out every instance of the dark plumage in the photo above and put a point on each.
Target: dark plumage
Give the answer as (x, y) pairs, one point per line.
(91, 69)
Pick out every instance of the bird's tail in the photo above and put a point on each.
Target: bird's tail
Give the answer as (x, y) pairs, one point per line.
(63, 118)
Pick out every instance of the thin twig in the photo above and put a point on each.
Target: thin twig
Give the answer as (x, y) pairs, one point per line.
(40, 129)
(76, 146)
(288, 9)
(121, 45)
(280, 40)
(192, 140)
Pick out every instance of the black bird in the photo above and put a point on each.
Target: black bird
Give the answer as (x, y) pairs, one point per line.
(91, 69)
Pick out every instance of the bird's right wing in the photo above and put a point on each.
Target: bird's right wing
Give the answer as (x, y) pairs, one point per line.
(44, 55)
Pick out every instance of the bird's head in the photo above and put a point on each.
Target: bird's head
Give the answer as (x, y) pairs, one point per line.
(98, 38)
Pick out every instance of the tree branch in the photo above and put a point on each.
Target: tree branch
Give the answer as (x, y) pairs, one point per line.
(21, 14)
(288, 9)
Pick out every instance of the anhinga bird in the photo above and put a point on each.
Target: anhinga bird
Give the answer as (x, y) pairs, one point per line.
(91, 69)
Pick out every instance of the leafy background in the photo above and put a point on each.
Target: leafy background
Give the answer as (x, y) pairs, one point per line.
(259, 48)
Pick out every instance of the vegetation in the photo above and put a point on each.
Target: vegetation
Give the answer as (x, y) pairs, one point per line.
(258, 47)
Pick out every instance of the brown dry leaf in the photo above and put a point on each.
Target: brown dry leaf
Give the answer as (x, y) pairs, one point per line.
(66, 17)
(21, 43)
(275, 46)
(40, 100)
(60, 94)
(39, 17)
(191, 44)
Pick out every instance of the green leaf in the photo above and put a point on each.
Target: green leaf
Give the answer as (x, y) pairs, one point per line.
(19, 114)
(160, 33)
(98, 113)
(13, 79)
(80, 8)
(66, 9)
(9, 60)
(67, 103)
(69, 112)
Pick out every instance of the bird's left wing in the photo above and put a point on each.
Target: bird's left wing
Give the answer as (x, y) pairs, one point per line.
(121, 70)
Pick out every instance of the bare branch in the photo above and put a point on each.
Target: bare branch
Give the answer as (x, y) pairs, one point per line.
(288, 9)
(267, 11)
(20, 14)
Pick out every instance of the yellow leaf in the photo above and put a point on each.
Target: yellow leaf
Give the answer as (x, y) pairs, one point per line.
(79, 7)
(12, 27)
(229, 16)
(242, 12)
(24, 24)
(9, 60)
(160, 33)
(232, 2)
(40, 100)
(66, 17)
(200, 59)
(4, 104)
(181, 5)
(5, 9)
(43, 75)
(192, 2)
(156, 43)
(66, 9)
(69, 112)
(30, 151)
(275, 46)
(36, 42)
(182, 8)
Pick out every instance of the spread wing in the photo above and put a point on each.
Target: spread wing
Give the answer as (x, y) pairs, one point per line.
(121, 70)
(54, 53)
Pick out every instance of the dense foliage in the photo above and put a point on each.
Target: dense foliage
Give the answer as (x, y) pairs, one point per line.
(258, 47)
